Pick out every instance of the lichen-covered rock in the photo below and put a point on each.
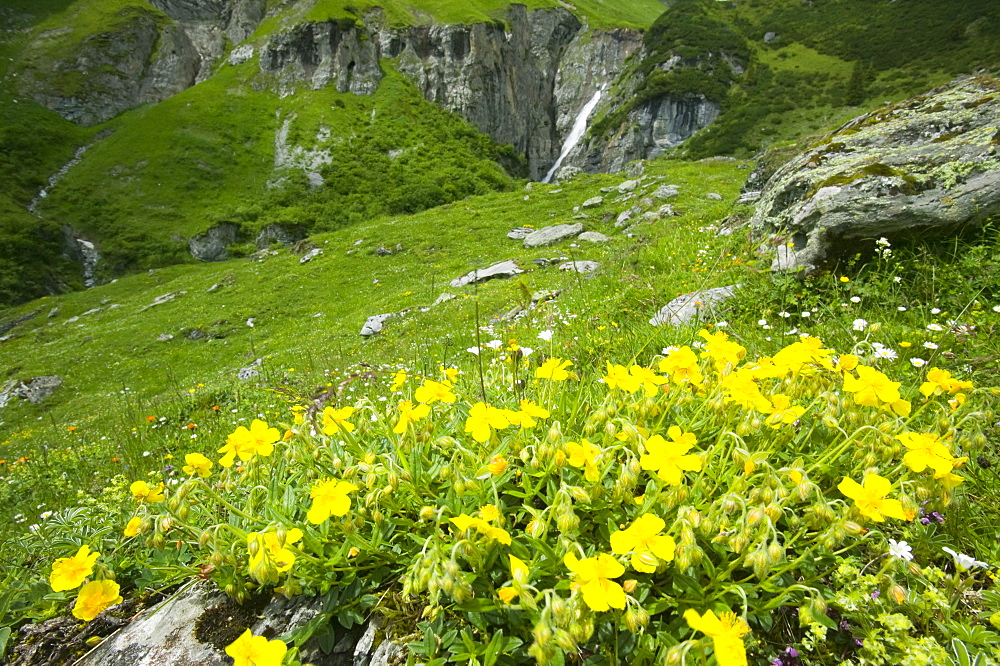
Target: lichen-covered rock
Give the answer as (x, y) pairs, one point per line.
(923, 165)
(687, 307)
(552, 234)
(212, 244)
(503, 269)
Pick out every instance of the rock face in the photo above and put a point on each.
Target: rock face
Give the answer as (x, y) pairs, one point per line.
(210, 245)
(145, 55)
(927, 165)
(522, 84)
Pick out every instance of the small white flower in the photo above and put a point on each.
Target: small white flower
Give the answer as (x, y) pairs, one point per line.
(494, 344)
(667, 351)
(722, 324)
(930, 345)
(855, 299)
(860, 324)
(250, 322)
(902, 308)
(897, 279)
(918, 362)
(473, 350)
(934, 327)
(807, 314)
(887, 353)
(900, 549)
(935, 310)
(996, 308)
(45, 514)
(964, 562)
(545, 335)
(527, 351)
(762, 322)
(786, 315)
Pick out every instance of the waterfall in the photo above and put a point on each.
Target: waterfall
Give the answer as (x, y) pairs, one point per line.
(579, 128)
(56, 177)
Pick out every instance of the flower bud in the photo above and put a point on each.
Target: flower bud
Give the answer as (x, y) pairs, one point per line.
(629, 585)
(675, 656)
(776, 551)
(158, 542)
(755, 515)
(542, 633)
(636, 619)
(852, 527)
(773, 512)
(564, 640)
(568, 523)
(536, 529)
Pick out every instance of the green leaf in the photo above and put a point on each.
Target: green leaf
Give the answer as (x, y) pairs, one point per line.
(4, 637)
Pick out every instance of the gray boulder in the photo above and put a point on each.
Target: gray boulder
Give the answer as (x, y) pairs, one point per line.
(519, 233)
(686, 307)
(375, 323)
(194, 626)
(627, 186)
(593, 237)
(580, 266)
(666, 191)
(926, 166)
(310, 255)
(504, 269)
(553, 234)
(593, 202)
(212, 244)
(38, 389)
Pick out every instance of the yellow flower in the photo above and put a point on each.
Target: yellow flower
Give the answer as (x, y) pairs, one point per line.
(450, 373)
(927, 450)
(258, 440)
(197, 464)
(743, 390)
(465, 521)
(721, 350)
(329, 499)
(519, 574)
(398, 380)
(592, 576)
(250, 650)
(497, 465)
(682, 366)
(643, 539)
(143, 492)
(431, 391)
(619, 377)
(527, 415)
(554, 369)
(803, 355)
(648, 380)
(69, 572)
(335, 420)
(871, 388)
(409, 414)
(94, 597)
(941, 381)
(783, 411)
(585, 455)
(670, 459)
(870, 497)
(132, 528)
(269, 556)
(726, 632)
(483, 418)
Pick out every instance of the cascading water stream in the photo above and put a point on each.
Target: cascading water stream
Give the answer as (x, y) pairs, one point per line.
(575, 134)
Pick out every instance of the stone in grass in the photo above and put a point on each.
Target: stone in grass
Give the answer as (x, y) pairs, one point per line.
(552, 234)
(628, 186)
(666, 191)
(375, 323)
(593, 237)
(310, 255)
(714, 196)
(593, 202)
(519, 233)
(503, 269)
(686, 307)
(580, 266)
(251, 371)
(38, 389)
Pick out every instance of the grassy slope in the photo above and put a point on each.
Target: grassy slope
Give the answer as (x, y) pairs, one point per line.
(116, 372)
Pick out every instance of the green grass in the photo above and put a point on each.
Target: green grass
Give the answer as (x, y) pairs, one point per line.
(104, 353)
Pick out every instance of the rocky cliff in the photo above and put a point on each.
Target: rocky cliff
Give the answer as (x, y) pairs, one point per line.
(521, 83)
(144, 53)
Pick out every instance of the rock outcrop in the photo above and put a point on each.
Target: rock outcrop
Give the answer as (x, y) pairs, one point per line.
(926, 166)
(143, 55)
